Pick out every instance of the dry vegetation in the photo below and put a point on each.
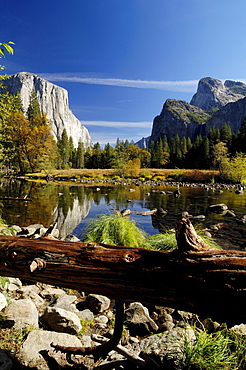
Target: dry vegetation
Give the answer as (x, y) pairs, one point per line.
(142, 174)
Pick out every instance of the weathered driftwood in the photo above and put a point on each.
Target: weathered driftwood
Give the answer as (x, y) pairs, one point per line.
(193, 278)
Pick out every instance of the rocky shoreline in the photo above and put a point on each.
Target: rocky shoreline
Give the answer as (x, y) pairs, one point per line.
(153, 337)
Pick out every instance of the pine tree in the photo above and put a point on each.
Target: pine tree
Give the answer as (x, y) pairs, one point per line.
(80, 155)
(226, 134)
(63, 149)
(205, 149)
(214, 136)
(33, 109)
(159, 153)
(241, 138)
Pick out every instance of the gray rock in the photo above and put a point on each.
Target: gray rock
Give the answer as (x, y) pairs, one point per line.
(39, 302)
(53, 102)
(61, 320)
(138, 320)
(3, 302)
(51, 292)
(5, 362)
(166, 349)
(13, 284)
(86, 315)
(31, 292)
(21, 313)
(15, 229)
(165, 322)
(28, 290)
(210, 325)
(230, 213)
(85, 341)
(239, 329)
(66, 301)
(218, 208)
(101, 319)
(97, 303)
(38, 342)
(72, 238)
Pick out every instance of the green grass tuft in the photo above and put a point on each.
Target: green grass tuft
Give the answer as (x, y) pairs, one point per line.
(161, 242)
(115, 230)
(214, 351)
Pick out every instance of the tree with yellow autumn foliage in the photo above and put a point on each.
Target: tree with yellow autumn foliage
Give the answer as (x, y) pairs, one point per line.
(28, 145)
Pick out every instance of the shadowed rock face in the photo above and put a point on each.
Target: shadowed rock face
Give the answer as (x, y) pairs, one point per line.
(231, 114)
(53, 102)
(213, 93)
(178, 117)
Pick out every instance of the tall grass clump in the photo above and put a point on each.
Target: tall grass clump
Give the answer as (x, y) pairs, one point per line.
(213, 351)
(161, 242)
(115, 230)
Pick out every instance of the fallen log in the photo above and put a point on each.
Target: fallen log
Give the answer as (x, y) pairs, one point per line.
(194, 278)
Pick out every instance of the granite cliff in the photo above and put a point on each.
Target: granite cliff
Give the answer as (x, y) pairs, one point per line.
(53, 102)
(213, 93)
(214, 104)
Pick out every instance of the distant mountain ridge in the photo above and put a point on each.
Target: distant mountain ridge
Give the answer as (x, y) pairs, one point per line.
(53, 102)
(214, 104)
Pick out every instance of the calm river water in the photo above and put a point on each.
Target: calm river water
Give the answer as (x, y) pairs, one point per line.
(73, 206)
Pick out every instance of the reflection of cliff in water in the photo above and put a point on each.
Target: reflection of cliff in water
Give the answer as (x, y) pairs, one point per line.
(64, 204)
(73, 205)
(68, 220)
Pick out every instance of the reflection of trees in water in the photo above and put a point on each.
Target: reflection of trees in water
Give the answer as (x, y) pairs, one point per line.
(38, 210)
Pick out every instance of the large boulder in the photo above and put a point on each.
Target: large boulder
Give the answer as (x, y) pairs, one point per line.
(61, 320)
(97, 303)
(21, 314)
(138, 320)
(37, 352)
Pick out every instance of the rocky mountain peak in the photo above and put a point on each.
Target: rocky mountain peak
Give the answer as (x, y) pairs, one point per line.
(53, 101)
(213, 93)
(236, 87)
(178, 117)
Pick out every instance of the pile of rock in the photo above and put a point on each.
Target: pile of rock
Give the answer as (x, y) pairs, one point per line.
(56, 316)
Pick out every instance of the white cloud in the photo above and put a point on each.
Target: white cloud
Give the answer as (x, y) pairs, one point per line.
(118, 124)
(179, 86)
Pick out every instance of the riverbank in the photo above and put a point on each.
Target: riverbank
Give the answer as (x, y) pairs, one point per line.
(143, 175)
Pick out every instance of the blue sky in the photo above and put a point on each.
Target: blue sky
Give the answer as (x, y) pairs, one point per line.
(121, 59)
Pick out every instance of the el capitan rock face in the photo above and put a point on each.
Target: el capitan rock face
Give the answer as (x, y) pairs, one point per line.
(53, 102)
